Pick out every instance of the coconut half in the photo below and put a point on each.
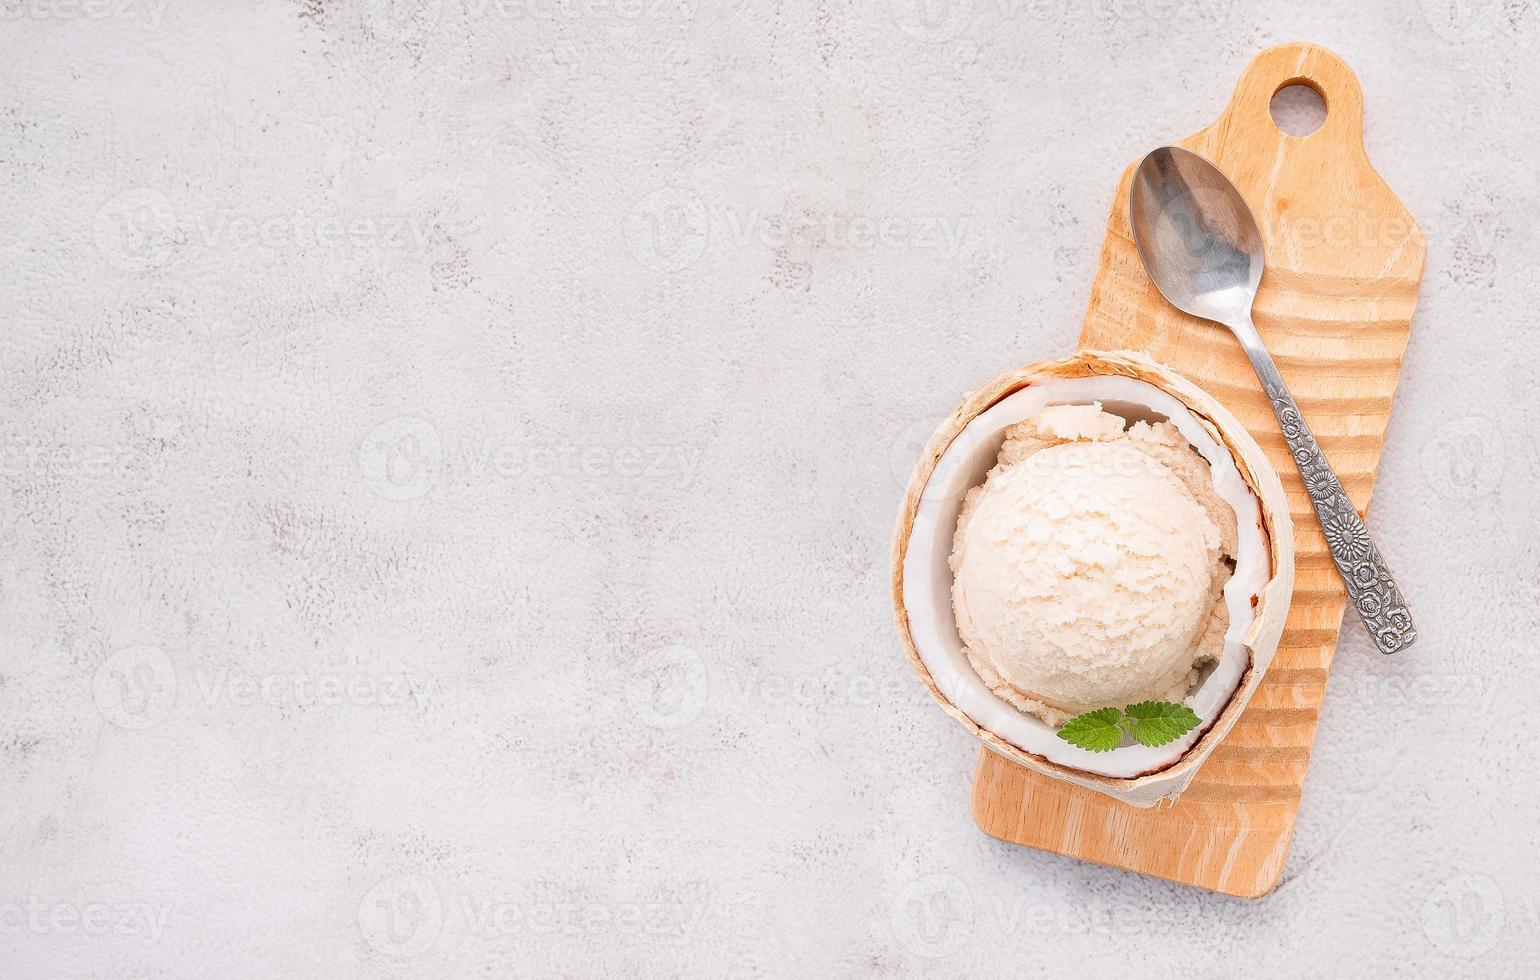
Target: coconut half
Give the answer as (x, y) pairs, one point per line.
(1257, 595)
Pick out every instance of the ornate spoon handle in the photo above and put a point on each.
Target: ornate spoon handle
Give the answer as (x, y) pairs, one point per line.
(1369, 583)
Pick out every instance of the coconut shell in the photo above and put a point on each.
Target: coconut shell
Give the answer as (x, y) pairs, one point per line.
(1271, 602)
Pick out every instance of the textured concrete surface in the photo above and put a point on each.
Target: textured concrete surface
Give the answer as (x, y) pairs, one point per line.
(450, 448)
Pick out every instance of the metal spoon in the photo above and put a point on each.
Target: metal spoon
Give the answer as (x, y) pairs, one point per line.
(1201, 246)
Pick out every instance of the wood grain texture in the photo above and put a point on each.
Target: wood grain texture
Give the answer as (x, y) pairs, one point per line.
(1344, 263)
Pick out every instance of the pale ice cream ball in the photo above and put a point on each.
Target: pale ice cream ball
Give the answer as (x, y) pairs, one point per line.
(1087, 572)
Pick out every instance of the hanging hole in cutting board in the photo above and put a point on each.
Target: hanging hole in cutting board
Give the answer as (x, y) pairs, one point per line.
(1298, 108)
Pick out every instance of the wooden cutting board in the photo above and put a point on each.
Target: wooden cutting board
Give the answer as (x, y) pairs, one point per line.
(1344, 262)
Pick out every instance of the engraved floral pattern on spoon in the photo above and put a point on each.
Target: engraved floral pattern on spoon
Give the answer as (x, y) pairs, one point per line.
(1369, 583)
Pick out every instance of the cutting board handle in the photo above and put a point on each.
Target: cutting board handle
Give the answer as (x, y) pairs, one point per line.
(1298, 63)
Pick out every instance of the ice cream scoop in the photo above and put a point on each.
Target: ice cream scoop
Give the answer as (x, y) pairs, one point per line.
(1088, 566)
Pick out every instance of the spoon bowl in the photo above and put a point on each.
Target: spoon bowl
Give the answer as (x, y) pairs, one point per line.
(1195, 234)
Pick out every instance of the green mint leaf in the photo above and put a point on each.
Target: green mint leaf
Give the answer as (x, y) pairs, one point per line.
(1095, 731)
(1159, 722)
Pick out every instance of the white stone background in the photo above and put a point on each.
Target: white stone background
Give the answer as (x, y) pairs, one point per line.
(451, 446)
